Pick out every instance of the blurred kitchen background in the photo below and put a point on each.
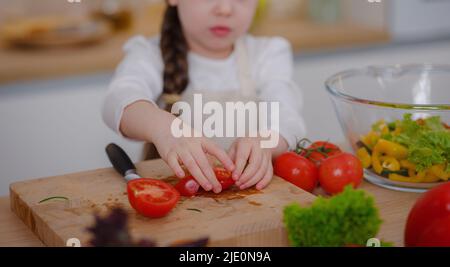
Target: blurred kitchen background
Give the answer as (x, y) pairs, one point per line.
(57, 57)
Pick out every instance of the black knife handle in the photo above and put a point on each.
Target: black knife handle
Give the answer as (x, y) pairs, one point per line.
(119, 159)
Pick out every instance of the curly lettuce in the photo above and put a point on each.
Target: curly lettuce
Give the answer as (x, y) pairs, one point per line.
(349, 218)
(427, 140)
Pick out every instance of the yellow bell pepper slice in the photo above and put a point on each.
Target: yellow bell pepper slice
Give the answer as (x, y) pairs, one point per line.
(370, 139)
(364, 156)
(388, 148)
(407, 164)
(379, 125)
(390, 163)
(430, 177)
(385, 129)
(439, 171)
(397, 131)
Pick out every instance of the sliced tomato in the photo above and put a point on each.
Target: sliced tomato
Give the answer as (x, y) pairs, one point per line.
(187, 186)
(152, 198)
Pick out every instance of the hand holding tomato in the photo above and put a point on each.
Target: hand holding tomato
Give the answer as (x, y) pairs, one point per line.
(192, 153)
(188, 186)
(253, 163)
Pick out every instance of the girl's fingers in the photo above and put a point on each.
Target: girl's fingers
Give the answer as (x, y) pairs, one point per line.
(195, 171)
(242, 153)
(219, 153)
(206, 168)
(232, 152)
(256, 158)
(172, 161)
(258, 176)
(266, 179)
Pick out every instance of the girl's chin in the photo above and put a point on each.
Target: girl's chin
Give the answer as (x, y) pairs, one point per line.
(221, 45)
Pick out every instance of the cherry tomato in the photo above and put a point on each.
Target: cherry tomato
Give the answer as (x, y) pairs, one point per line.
(187, 186)
(428, 222)
(224, 177)
(297, 170)
(338, 171)
(152, 198)
(318, 151)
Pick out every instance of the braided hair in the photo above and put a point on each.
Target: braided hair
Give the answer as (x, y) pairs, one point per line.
(174, 49)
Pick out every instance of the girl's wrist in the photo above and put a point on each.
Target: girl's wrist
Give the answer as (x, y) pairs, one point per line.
(160, 129)
(282, 144)
(281, 147)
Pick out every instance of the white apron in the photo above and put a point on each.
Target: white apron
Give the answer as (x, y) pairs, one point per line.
(246, 93)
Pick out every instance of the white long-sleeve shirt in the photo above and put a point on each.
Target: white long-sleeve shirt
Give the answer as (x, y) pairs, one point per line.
(140, 77)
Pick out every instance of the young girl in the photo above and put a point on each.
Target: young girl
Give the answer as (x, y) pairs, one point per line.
(204, 48)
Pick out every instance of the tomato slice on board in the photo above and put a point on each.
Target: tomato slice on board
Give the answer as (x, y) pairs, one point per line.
(152, 198)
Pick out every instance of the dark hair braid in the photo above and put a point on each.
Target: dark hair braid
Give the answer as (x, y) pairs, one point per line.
(174, 50)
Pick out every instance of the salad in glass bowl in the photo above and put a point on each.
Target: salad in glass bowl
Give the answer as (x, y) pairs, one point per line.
(397, 119)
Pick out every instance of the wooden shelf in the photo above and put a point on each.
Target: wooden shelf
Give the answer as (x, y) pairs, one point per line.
(50, 63)
(309, 36)
(20, 65)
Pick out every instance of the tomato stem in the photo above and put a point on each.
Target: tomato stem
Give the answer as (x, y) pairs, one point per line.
(303, 150)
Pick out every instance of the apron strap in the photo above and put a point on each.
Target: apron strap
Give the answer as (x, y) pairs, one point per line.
(247, 85)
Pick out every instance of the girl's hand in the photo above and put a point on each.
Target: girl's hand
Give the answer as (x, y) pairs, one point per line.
(259, 170)
(191, 152)
(145, 121)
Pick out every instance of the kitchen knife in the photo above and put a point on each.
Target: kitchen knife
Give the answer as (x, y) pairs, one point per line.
(121, 162)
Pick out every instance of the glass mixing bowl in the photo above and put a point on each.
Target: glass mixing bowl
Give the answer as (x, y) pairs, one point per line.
(361, 97)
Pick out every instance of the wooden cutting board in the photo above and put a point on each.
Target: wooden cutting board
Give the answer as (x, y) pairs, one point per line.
(235, 218)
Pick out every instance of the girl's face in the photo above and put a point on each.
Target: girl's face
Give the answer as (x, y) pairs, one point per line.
(212, 26)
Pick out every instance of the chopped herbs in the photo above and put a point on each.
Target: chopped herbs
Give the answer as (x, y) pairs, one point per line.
(52, 198)
(197, 210)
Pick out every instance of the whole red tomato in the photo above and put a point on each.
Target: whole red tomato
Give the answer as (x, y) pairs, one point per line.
(429, 220)
(318, 151)
(297, 170)
(338, 171)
